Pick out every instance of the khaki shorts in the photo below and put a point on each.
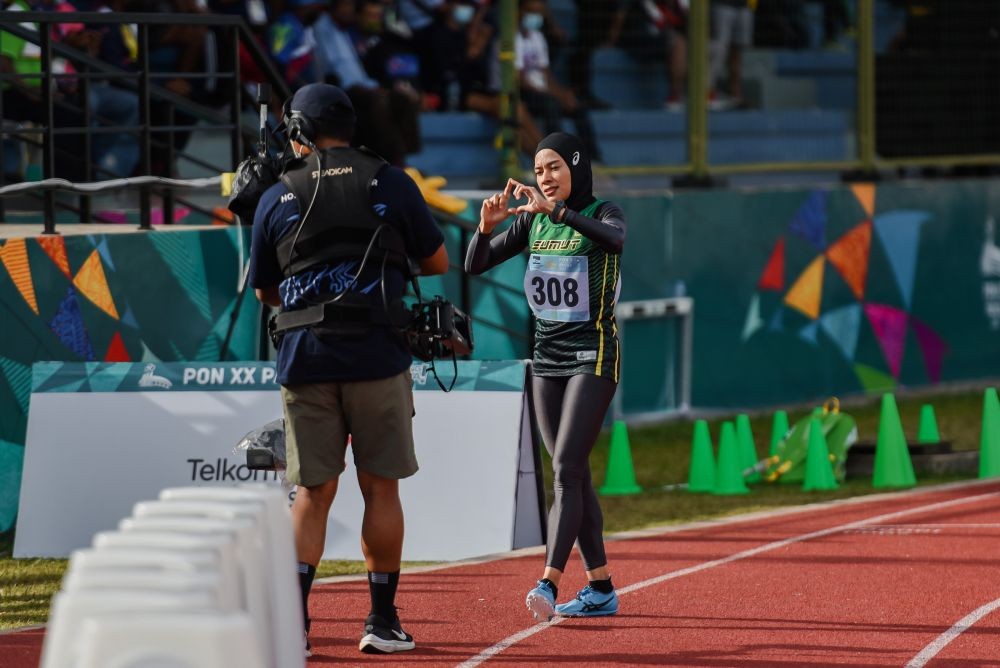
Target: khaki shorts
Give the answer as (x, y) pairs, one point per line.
(377, 414)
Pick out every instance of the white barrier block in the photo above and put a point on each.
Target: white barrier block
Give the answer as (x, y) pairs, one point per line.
(279, 542)
(192, 640)
(60, 648)
(224, 545)
(249, 554)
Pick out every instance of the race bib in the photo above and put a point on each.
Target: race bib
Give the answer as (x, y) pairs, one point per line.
(558, 288)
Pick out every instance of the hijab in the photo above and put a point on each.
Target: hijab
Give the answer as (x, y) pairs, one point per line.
(571, 149)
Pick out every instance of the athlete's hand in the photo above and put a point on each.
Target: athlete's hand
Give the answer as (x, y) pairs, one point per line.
(536, 200)
(495, 209)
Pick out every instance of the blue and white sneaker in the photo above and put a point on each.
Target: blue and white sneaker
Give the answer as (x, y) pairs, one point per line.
(589, 603)
(541, 601)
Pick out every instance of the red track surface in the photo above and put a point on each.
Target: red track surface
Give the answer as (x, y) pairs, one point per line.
(866, 583)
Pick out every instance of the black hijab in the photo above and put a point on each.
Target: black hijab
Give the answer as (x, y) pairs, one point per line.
(572, 151)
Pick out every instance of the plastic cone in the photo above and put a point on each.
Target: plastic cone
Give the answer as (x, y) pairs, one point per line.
(893, 467)
(928, 431)
(729, 468)
(701, 477)
(748, 451)
(779, 427)
(620, 477)
(989, 443)
(819, 473)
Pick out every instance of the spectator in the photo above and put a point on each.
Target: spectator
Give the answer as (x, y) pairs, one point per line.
(388, 119)
(292, 44)
(732, 31)
(466, 64)
(109, 101)
(386, 55)
(544, 97)
(598, 24)
(420, 16)
(22, 99)
(656, 31)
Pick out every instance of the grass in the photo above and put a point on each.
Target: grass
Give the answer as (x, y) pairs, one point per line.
(661, 456)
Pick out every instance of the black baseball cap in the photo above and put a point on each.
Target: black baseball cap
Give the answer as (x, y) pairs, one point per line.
(326, 105)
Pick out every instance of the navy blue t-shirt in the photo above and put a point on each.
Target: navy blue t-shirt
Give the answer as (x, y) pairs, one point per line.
(380, 353)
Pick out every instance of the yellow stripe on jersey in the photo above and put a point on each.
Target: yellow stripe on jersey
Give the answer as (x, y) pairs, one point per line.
(614, 326)
(600, 318)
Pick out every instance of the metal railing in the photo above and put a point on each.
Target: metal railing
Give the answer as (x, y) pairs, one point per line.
(148, 93)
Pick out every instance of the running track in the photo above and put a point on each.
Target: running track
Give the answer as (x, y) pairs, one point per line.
(905, 579)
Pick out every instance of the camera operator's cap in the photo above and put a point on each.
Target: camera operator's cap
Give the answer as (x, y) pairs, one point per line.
(325, 104)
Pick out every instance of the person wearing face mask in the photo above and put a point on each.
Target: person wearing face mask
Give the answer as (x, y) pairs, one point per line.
(572, 283)
(545, 98)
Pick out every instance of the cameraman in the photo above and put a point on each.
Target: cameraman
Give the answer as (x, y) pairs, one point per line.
(325, 233)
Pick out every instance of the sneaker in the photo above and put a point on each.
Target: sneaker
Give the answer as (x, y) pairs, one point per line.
(589, 603)
(541, 601)
(382, 637)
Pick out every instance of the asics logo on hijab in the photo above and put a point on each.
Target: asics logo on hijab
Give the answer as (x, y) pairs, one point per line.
(576, 158)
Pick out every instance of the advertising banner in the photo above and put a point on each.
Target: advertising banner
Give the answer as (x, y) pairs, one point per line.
(103, 436)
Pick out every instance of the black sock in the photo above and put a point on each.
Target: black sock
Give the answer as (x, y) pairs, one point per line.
(306, 575)
(603, 586)
(550, 583)
(382, 587)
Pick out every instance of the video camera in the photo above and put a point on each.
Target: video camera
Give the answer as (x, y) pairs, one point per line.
(438, 330)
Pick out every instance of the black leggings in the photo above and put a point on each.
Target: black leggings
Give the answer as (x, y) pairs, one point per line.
(570, 411)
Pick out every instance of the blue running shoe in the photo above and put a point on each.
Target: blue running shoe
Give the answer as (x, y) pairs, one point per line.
(542, 602)
(589, 603)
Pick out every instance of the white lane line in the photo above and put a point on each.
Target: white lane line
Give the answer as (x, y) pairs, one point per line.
(942, 641)
(745, 554)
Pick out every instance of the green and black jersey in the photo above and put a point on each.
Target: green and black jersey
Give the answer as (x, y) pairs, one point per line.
(571, 282)
(572, 285)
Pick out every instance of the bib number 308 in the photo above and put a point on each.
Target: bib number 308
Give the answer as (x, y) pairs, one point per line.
(557, 287)
(555, 292)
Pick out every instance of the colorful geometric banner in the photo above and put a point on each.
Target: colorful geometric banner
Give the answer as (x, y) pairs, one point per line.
(865, 194)
(809, 333)
(849, 256)
(753, 321)
(55, 247)
(806, 293)
(843, 325)
(773, 276)
(932, 346)
(874, 380)
(93, 284)
(809, 221)
(889, 324)
(14, 256)
(899, 232)
(68, 326)
(117, 352)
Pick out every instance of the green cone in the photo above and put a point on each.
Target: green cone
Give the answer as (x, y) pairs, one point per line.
(620, 477)
(989, 443)
(701, 477)
(819, 473)
(729, 469)
(928, 431)
(893, 467)
(748, 451)
(779, 427)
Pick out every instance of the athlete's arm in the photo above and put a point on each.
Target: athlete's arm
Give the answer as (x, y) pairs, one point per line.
(486, 251)
(607, 229)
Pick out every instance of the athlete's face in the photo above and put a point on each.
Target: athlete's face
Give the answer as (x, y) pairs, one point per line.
(553, 175)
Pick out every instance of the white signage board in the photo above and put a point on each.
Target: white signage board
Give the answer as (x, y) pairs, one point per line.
(103, 436)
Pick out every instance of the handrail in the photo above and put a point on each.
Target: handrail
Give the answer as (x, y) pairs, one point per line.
(108, 186)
